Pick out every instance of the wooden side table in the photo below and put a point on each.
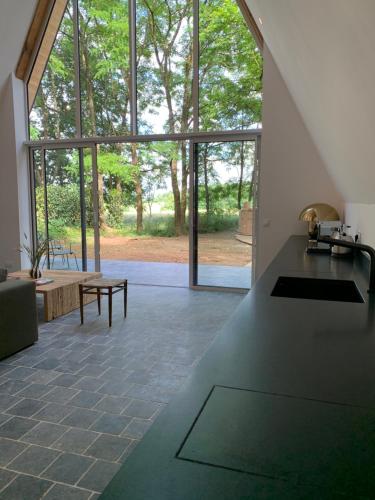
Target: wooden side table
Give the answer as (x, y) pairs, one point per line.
(100, 286)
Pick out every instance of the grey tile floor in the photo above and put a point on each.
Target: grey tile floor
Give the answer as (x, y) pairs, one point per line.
(75, 405)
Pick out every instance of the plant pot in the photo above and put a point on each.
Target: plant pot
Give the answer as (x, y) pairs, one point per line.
(35, 273)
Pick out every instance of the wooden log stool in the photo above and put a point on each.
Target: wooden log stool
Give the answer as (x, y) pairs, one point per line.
(100, 286)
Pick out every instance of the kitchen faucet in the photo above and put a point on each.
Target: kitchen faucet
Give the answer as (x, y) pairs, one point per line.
(358, 246)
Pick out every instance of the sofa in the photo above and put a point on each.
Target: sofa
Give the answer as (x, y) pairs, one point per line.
(18, 316)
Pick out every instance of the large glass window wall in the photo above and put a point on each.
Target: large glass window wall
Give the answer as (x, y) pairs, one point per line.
(144, 140)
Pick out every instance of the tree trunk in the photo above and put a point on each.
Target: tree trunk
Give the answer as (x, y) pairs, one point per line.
(176, 197)
(118, 184)
(58, 171)
(163, 56)
(138, 190)
(45, 114)
(185, 117)
(101, 199)
(205, 171)
(251, 186)
(92, 114)
(240, 183)
(184, 180)
(38, 177)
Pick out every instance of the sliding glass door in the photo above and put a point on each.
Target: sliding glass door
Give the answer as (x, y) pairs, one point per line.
(64, 199)
(125, 208)
(223, 199)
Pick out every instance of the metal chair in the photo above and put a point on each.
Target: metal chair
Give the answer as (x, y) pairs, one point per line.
(57, 248)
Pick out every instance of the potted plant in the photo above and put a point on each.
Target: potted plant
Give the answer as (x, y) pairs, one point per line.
(35, 254)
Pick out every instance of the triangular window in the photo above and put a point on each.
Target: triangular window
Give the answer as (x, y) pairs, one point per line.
(85, 83)
(52, 101)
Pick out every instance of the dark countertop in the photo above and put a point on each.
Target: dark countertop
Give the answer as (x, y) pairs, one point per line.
(300, 421)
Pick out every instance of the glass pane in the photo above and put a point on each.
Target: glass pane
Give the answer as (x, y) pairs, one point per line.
(89, 204)
(230, 69)
(64, 209)
(104, 47)
(143, 192)
(164, 58)
(224, 218)
(53, 112)
(39, 195)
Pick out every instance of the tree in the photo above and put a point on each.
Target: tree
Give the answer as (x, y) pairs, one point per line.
(230, 69)
(168, 29)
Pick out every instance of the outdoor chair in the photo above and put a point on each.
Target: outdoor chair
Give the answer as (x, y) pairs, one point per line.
(57, 248)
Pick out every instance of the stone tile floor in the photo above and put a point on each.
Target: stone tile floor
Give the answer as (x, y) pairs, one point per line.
(74, 405)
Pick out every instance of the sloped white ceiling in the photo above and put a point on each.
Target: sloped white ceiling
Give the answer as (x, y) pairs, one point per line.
(325, 51)
(15, 19)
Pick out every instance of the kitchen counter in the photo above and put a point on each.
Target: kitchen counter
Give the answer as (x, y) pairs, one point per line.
(281, 406)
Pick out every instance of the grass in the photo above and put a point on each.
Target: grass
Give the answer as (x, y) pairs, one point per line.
(160, 225)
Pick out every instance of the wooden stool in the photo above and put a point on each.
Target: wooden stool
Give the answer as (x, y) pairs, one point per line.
(113, 286)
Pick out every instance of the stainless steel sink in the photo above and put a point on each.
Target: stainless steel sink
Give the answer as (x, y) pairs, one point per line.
(317, 289)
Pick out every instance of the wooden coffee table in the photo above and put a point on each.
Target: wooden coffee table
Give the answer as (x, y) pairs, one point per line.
(62, 295)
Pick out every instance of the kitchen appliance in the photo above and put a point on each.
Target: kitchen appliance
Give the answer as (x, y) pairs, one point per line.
(342, 235)
(323, 220)
(324, 229)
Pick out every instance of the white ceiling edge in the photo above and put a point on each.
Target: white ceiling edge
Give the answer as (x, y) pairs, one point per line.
(324, 50)
(15, 20)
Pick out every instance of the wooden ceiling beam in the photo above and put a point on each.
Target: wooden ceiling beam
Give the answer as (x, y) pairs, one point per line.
(250, 21)
(44, 50)
(40, 16)
(38, 44)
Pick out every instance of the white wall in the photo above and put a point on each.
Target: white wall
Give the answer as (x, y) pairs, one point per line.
(324, 50)
(15, 19)
(9, 220)
(14, 179)
(292, 172)
(361, 218)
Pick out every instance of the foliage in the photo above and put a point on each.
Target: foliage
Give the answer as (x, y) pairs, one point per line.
(34, 253)
(160, 226)
(166, 201)
(57, 229)
(63, 204)
(115, 165)
(223, 197)
(114, 208)
(230, 68)
(135, 174)
(213, 222)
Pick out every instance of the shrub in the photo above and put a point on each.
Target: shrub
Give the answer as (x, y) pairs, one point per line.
(223, 197)
(214, 222)
(57, 229)
(63, 204)
(159, 226)
(114, 207)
